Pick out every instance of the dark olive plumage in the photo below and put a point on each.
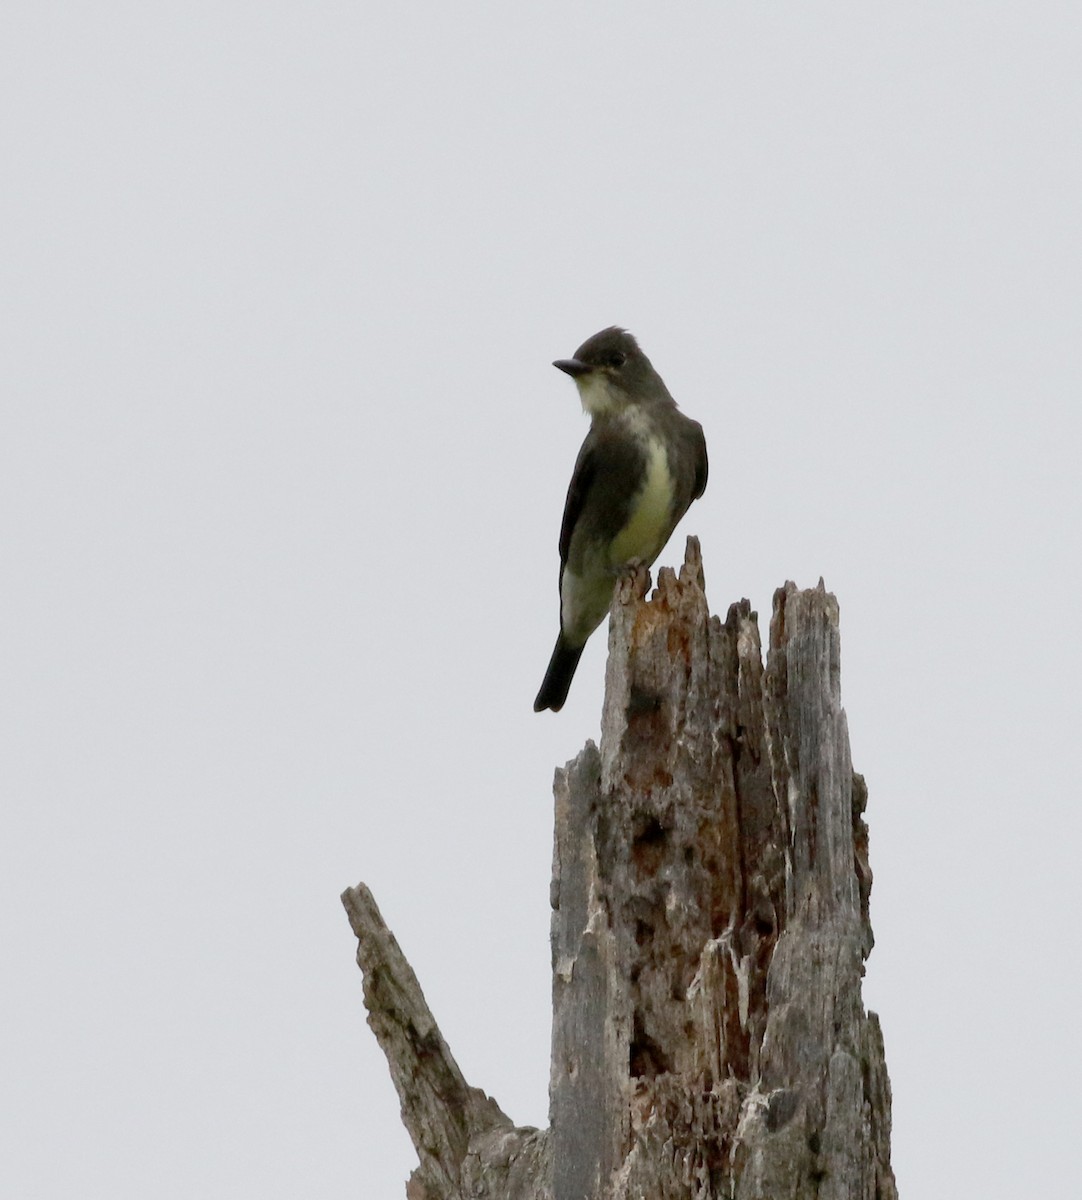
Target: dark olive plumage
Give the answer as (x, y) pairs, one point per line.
(642, 464)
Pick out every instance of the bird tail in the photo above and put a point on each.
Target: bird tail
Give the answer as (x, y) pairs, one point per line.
(553, 693)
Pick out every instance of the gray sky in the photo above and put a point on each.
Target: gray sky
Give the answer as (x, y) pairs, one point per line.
(282, 466)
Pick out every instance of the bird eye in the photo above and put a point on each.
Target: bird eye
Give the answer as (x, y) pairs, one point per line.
(617, 358)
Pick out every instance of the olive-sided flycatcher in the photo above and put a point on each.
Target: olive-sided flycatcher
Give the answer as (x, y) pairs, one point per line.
(640, 467)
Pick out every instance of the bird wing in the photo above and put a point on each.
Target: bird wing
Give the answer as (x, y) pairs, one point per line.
(581, 478)
(702, 464)
(607, 458)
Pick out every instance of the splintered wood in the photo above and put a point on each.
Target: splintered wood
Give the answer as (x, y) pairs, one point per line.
(710, 924)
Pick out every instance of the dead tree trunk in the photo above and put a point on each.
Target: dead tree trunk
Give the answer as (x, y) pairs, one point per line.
(710, 924)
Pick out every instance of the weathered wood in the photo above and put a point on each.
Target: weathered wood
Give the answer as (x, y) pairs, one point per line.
(710, 924)
(465, 1143)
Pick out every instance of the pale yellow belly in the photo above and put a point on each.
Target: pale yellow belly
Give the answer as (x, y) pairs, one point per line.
(585, 596)
(645, 534)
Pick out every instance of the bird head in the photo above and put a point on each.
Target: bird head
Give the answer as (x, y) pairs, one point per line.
(611, 371)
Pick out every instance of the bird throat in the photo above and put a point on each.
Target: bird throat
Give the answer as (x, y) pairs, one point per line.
(599, 397)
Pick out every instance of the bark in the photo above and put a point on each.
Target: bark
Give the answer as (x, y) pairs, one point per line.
(465, 1143)
(710, 924)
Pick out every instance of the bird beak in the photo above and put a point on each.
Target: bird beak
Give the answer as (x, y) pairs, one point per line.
(573, 367)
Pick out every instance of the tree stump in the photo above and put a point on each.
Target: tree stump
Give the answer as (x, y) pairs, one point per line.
(710, 924)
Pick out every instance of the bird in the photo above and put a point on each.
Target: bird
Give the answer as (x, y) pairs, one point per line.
(641, 465)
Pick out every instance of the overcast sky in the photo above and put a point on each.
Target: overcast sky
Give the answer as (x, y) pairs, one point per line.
(282, 465)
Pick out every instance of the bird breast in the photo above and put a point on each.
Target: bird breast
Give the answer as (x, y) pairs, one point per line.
(650, 519)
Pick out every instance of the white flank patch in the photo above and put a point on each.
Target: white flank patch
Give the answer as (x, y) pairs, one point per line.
(585, 599)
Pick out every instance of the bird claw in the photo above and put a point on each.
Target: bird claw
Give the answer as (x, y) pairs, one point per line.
(632, 580)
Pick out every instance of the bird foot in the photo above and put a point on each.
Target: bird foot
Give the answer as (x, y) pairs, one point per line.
(633, 579)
